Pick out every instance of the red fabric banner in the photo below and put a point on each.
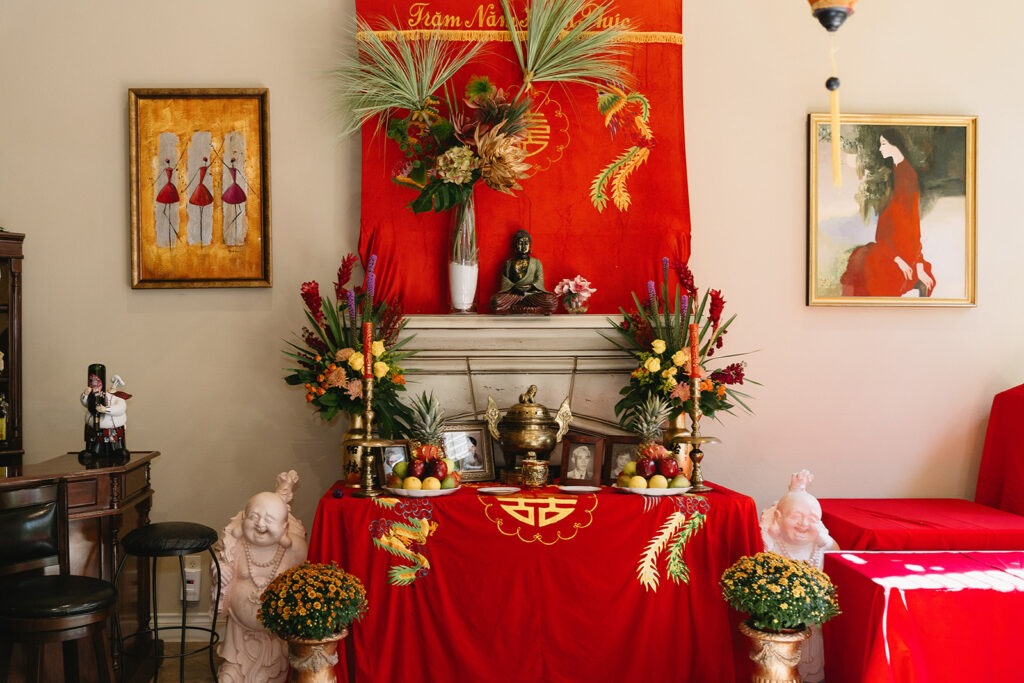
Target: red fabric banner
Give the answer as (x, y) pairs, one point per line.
(541, 586)
(1001, 477)
(617, 248)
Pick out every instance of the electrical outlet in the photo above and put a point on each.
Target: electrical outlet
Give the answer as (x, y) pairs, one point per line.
(194, 562)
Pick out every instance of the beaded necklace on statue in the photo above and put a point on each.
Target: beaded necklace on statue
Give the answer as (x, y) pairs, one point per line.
(274, 562)
(815, 558)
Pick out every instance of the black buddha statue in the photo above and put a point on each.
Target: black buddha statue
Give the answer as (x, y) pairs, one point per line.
(522, 282)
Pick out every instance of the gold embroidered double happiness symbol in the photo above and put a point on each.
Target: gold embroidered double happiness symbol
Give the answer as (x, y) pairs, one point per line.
(538, 512)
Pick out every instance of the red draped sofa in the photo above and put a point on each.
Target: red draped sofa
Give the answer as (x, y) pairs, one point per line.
(993, 521)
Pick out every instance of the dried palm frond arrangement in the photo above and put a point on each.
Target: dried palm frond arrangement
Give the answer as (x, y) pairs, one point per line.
(402, 80)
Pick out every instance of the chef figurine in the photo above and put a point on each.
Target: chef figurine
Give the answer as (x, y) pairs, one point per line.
(104, 420)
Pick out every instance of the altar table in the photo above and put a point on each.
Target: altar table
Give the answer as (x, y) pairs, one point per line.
(541, 586)
(915, 617)
(920, 524)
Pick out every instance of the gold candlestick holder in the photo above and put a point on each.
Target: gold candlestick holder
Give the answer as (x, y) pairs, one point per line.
(368, 443)
(696, 440)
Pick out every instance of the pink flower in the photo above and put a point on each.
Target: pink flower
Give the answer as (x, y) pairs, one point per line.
(681, 391)
(354, 388)
(343, 355)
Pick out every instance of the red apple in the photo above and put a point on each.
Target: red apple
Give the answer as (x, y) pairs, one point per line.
(438, 468)
(645, 467)
(416, 468)
(668, 468)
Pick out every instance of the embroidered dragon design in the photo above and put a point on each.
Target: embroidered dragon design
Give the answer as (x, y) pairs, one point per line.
(405, 538)
(628, 112)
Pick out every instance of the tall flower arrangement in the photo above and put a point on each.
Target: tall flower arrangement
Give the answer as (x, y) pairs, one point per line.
(330, 356)
(665, 337)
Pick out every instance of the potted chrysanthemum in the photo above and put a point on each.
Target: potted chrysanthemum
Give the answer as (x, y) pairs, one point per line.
(782, 598)
(311, 607)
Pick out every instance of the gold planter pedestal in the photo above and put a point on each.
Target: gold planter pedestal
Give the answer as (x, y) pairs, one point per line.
(775, 655)
(312, 661)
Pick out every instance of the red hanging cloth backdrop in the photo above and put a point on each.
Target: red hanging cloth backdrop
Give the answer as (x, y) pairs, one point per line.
(618, 248)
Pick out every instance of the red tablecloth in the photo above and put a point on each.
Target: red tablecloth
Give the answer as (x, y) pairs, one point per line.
(541, 586)
(931, 617)
(920, 524)
(1001, 477)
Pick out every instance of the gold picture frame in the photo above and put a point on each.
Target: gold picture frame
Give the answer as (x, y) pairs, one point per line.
(200, 187)
(468, 443)
(900, 229)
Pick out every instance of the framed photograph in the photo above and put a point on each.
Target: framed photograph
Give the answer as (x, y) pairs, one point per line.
(200, 187)
(900, 229)
(394, 455)
(581, 459)
(469, 445)
(618, 451)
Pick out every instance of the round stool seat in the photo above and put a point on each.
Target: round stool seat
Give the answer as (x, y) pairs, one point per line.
(49, 597)
(167, 539)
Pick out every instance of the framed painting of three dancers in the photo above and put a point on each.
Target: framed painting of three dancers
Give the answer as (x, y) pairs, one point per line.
(200, 187)
(899, 230)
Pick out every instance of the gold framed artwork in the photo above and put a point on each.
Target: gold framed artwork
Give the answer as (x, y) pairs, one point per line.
(469, 444)
(900, 229)
(200, 187)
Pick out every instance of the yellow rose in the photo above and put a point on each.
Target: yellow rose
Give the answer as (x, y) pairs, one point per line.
(670, 372)
(658, 346)
(679, 357)
(380, 369)
(652, 365)
(377, 348)
(355, 361)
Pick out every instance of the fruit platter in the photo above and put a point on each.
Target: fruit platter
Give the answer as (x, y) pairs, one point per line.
(656, 471)
(427, 472)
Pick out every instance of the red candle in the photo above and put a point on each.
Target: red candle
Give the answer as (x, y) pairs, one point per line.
(694, 351)
(367, 350)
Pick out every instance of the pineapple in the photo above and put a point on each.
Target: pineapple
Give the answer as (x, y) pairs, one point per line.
(427, 418)
(648, 417)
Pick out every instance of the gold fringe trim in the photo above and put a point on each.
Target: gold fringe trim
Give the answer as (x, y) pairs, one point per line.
(666, 37)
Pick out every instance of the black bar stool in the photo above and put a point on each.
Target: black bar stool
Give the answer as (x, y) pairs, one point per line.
(171, 539)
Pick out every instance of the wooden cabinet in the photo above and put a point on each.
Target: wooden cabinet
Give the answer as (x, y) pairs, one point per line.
(104, 504)
(11, 448)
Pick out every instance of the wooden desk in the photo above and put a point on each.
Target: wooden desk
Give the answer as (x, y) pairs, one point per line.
(103, 505)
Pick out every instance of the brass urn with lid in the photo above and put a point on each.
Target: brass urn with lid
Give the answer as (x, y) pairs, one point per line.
(528, 429)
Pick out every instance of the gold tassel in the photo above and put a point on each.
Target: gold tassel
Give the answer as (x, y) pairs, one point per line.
(833, 103)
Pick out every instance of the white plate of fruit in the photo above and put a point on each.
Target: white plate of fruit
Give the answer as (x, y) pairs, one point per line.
(654, 473)
(425, 475)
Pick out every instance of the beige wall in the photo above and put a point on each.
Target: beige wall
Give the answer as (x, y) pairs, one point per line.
(876, 402)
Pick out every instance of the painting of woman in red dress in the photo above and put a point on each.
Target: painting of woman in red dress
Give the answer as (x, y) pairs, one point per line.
(894, 264)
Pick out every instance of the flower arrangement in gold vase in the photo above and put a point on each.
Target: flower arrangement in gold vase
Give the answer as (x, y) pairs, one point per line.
(312, 602)
(671, 341)
(331, 356)
(779, 593)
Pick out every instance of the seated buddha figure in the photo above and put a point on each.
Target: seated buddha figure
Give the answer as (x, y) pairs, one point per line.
(522, 282)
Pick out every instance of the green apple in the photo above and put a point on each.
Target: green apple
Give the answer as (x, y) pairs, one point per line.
(623, 481)
(658, 482)
(450, 463)
(448, 482)
(679, 482)
(630, 468)
(401, 469)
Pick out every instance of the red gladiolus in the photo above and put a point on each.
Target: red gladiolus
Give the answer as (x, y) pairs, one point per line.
(310, 292)
(716, 308)
(685, 277)
(730, 374)
(344, 275)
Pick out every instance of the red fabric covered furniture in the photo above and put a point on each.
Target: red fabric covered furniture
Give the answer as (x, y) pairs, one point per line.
(539, 586)
(925, 617)
(994, 521)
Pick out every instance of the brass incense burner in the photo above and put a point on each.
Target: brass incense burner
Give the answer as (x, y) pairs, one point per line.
(528, 430)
